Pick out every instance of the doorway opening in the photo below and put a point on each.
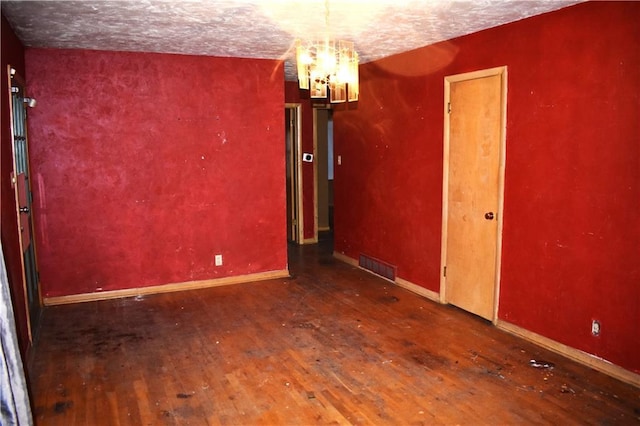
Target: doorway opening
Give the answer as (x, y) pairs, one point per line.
(323, 171)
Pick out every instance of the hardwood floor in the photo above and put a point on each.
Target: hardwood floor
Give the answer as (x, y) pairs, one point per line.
(331, 345)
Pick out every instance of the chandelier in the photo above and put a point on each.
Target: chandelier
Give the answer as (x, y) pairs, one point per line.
(328, 67)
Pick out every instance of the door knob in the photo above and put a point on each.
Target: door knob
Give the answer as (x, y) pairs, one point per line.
(488, 216)
(24, 209)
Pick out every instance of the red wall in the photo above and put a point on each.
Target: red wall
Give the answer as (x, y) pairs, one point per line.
(12, 54)
(147, 165)
(572, 198)
(296, 96)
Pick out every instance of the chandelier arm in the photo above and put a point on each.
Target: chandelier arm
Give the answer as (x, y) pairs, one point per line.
(326, 16)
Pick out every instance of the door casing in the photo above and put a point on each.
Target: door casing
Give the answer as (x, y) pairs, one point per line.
(22, 189)
(294, 162)
(321, 117)
(448, 81)
(316, 120)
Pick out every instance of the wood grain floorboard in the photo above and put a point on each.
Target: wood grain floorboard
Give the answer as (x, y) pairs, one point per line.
(330, 345)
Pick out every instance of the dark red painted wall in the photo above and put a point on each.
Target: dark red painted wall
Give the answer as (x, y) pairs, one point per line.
(12, 54)
(147, 165)
(572, 198)
(294, 95)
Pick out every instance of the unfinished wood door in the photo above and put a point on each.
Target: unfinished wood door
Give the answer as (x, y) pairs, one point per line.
(474, 127)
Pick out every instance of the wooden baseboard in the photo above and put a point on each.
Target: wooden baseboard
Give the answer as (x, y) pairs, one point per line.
(165, 288)
(346, 259)
(414, 288)
(577, 355)
(310, 241)
(421, 291)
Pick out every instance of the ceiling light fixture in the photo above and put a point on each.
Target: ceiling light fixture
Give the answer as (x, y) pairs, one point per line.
(328, 67)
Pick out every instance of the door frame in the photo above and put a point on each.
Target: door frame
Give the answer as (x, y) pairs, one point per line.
(296, 115)
(448, 80)
(12, 76)
(315, 109)
(317, 146)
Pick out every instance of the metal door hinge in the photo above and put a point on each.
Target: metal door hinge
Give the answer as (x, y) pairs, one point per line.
(449, 108)
(444, 272)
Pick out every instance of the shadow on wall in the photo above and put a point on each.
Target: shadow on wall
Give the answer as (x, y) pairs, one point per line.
(421, 62)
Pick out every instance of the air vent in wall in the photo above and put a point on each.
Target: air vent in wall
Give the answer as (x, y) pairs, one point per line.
(378, 267)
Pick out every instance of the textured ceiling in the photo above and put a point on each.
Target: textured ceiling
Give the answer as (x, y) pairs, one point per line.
(259, 28)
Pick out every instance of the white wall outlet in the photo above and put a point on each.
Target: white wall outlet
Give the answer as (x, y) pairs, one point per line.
(218, 260)
(595, 327)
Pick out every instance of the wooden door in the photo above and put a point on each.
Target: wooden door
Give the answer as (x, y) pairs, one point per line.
(474, 132)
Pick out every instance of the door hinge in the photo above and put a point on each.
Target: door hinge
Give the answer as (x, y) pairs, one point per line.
(449, 108)
(444, 272)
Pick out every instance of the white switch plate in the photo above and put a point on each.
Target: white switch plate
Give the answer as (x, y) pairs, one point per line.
(218, 260)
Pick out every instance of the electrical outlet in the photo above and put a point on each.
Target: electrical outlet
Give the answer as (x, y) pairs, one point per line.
(595, 327)
(218, 260)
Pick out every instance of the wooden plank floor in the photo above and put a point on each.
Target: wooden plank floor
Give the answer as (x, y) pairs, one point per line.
(331, 345)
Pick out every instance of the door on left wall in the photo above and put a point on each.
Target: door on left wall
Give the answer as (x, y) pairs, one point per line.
(21, 183)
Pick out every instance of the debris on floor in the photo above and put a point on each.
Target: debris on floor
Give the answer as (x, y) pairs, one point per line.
(541, 364)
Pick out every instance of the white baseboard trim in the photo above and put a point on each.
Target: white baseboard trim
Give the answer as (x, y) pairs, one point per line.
(165, 288)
